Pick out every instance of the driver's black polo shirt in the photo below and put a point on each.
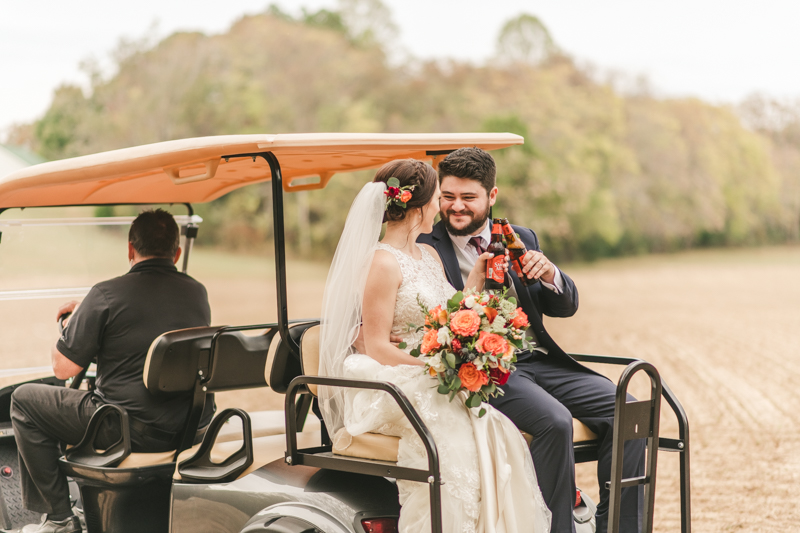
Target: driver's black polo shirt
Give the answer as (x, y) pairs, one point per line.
(117, 322)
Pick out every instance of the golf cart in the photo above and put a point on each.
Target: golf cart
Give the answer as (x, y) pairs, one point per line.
(270, 471)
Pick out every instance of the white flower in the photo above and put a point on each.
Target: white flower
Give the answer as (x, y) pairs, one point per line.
(436, 363)
(507, 307)
(484, 299)
(469, 302)
(444, 336)
(479, 362)
(479, 309)
(499, 325)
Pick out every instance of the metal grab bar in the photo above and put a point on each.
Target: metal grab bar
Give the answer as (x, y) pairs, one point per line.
(680, 445)
(432, 476)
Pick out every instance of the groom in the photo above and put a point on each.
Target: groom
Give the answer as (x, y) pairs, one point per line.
(549, 388)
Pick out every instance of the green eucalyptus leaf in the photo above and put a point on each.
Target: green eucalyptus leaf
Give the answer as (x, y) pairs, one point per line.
(403, 345)
(512, 300)
(455, 301)
(393, 182)
(451, 359)
(443, 389)
(481, 412)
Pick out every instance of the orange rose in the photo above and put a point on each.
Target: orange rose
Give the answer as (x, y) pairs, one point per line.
(492, 343)
(430, 341)
(491, 313)
(472, 378)
(465, 322)
(406, 196)
(520, 319)
(432, 318)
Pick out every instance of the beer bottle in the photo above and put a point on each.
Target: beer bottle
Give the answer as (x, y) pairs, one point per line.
(495, 275)
(516, 250)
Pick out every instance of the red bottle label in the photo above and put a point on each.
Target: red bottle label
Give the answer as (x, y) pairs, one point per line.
(494, 268)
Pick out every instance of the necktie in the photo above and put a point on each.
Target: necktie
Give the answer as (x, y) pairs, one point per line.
(477, 242)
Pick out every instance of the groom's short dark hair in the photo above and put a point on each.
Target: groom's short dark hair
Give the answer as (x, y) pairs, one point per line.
(470, 163)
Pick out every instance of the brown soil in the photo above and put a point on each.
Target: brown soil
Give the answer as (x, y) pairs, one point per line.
(721, 327)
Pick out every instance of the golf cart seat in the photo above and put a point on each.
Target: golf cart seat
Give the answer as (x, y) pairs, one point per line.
(270, 445)
(115, 484)
(378, 447)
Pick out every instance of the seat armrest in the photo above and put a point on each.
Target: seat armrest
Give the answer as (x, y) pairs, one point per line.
(86, 453)
(201, 469)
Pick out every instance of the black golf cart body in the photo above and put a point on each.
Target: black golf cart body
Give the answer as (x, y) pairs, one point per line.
(266, 471)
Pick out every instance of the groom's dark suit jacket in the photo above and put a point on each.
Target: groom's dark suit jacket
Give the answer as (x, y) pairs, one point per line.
(535, 300)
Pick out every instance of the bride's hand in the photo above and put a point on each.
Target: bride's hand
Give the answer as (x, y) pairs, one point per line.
(480, 265)
(477, 276)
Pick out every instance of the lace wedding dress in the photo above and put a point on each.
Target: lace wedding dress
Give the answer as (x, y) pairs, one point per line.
(489, 481)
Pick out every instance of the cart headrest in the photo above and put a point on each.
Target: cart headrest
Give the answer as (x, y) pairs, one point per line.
(286, 365)
(223, 357)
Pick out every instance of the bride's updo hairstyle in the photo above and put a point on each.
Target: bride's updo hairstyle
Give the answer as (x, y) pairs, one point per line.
(409, 172)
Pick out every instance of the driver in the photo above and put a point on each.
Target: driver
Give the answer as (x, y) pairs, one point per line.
(114, 326)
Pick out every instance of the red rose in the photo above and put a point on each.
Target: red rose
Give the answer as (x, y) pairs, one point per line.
(499, 376)
(392, 192)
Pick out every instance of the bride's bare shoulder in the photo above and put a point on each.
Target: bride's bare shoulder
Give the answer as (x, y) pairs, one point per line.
(384, 263)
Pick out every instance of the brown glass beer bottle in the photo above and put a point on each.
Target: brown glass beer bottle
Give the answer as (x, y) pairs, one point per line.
(516, 249)
(495, 275)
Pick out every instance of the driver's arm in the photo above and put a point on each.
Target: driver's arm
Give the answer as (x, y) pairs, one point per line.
(63, 368)
(81, 340)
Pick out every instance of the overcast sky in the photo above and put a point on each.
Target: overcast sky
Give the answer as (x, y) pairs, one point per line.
(719, 50)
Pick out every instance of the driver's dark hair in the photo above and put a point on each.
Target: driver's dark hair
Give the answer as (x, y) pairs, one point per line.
(408, 172)
(472, 164)
(154, 233)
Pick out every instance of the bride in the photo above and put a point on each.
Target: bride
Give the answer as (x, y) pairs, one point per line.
(489, 484)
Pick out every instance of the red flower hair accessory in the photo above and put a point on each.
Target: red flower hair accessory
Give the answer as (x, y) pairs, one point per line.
(395, 194)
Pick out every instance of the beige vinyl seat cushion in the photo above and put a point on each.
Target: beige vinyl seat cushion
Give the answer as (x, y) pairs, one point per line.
(379, 447)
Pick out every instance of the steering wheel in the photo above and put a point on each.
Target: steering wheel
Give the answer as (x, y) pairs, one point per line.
(78, 378)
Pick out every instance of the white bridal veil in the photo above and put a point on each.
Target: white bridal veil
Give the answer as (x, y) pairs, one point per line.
(344, 295)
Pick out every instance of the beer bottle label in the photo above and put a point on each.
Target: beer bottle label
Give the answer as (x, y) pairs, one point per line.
(515, 264)
(494, 268)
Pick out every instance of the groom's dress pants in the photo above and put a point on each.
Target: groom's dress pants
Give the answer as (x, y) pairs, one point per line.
(541, 398)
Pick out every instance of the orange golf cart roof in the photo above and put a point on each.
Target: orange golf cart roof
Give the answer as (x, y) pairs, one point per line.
(199, 170)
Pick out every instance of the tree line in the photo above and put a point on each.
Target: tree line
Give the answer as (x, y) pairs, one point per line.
(601, 173)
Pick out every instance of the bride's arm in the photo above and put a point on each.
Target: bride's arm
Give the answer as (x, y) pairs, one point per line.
(380, 295)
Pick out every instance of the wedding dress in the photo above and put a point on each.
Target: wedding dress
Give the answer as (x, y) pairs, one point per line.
(489, 483)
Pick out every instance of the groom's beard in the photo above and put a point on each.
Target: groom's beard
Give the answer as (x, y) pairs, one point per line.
(477, 222)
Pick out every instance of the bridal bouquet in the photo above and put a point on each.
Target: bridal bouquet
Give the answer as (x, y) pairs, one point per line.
(472, 344)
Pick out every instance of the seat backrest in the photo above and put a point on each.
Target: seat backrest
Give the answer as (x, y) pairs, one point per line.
(309, 354)
(286, 365)
(175, 358)
(226, 358)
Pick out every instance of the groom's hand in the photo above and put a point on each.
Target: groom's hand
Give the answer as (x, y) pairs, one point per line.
(536, 266)
(361, 347)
